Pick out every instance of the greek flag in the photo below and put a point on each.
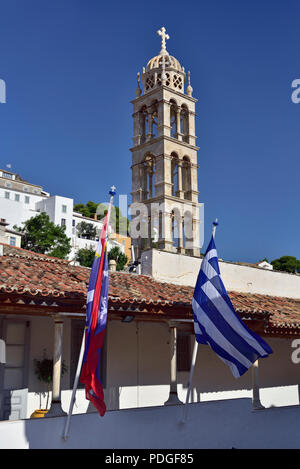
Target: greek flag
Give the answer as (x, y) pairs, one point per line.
(217, 324)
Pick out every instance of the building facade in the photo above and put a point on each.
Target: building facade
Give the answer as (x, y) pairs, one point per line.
(149, 339)
(21, 200)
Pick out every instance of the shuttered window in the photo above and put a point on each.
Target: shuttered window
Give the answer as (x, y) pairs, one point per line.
(183, 351)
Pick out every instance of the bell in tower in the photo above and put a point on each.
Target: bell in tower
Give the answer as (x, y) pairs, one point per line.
(165, 208)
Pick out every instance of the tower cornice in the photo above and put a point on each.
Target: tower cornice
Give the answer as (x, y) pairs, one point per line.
(163, 137)
(163, 87)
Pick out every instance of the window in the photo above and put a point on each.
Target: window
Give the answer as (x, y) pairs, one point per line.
(26, 189)
(12, 240)
(143, 118)
(7, 195)
(176, 220)
(17, 197)
(149, 82)
(154, 119)
(186, 178)
(149, 176)
(8, 184)
(174, 174)
(187, 229)
(173, 119)
(63, 222)
(64, 209)
(73, 222)
(27, 199)
(184, 123)
(7, 175)
(183, 351)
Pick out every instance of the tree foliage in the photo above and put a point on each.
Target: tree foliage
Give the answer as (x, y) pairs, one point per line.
(41, 235)
(81, 208)
(89, 209)
(287, 264)
(86, 230)
(85, 256)
(117, 255)
(118, 223)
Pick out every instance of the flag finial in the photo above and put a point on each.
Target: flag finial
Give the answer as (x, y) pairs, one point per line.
(215, 224)
(113, 190)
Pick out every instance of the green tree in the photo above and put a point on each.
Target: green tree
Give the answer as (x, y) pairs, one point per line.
(117, 220)
(41, 235)
(117, 255)
(83, 209)
(92, 208)
(86, 230)
(287, 264)
(85, 256)
(88, 210)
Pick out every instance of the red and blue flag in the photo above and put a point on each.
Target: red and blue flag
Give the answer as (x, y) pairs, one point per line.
(96, 318)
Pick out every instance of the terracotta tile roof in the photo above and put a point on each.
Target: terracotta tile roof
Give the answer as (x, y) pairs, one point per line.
(25, 272)
(33, 275)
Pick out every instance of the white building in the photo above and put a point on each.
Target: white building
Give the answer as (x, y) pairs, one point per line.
(21, 200)
(265, 265)
(8, 236)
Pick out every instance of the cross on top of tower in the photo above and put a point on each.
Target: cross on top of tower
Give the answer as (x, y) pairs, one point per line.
(162, 32)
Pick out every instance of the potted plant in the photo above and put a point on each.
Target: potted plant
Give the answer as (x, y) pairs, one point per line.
(43, 370)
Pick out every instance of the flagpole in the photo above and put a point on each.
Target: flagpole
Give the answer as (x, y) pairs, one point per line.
(194, 356)
(185, 409)
(112, 192)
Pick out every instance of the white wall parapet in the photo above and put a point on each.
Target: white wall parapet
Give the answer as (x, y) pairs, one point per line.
(210, 425)
(183, 270)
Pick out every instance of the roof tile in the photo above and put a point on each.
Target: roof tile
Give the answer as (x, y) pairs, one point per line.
(25, 273)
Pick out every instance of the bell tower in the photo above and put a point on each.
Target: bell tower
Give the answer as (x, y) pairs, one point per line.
(165, 208)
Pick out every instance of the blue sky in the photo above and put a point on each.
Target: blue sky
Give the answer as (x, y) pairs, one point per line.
(70, 69)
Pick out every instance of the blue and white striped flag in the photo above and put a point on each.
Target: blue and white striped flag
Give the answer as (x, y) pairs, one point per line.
(217, 324)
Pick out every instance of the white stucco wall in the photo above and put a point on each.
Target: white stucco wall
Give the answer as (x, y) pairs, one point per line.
(183, 270)
(139, 375)
(7, 237)
(42, 338)
(53, 207)
(31, 205)
(15, 213)
(209, 425)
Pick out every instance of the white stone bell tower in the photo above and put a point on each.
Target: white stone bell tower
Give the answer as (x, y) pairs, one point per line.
(165, 208)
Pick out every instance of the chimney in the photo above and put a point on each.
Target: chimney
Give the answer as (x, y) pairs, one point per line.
(112, 265)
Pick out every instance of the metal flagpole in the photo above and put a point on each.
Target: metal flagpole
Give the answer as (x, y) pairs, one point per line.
(72, 402)
(185, 409)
